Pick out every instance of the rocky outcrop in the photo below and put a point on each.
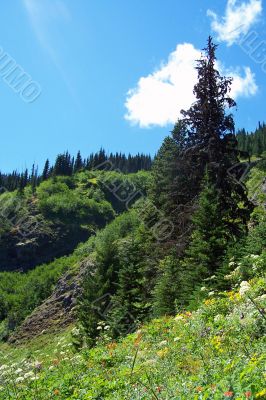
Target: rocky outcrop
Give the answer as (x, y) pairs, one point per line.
(56, 312)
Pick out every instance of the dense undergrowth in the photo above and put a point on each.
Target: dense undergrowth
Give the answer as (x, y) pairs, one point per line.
(215, 352)
(37, 226)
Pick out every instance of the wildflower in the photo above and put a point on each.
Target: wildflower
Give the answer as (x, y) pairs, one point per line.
(29, 375)
(244, 287)
(211, 293)
(248, 394)
(112, 345)
(51, 368)
(262, 297)
(56, 392)
(34, 378)
(228, 394)
(150, 362)
(176, 339)
(261, 394)
(209, 302)
(4, 366)
(254, 256)
(217, 318)
(38, 365)
(18, 371)
(203, 288)
(179, 317)
(137, 340)
(19, 379)
(163, 343)
(159, 389)
(199, 389)
(162, 353)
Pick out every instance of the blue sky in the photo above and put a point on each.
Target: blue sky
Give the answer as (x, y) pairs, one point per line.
(116, 73)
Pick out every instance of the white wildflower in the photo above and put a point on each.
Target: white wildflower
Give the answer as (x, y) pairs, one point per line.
(244, 287)
(176, 339)
(217, 318)
(163, 343)
(29, 375)
(34, 378)
(18, 371)
(179, 317)
(150, 362)
(19, 379)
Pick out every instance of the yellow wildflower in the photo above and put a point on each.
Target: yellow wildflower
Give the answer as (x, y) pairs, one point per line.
(261, 394)
(162, 353)
(209, 302)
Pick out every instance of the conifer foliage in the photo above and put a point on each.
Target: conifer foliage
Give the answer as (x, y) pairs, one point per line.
(201, 180)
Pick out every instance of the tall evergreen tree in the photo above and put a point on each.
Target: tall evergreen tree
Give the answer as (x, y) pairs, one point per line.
(209, 141)
(78, 164)
(164, 171)
(45, 173)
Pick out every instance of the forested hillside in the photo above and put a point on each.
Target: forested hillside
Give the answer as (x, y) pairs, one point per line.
(252, 143)
(62, 211)
(170, 256)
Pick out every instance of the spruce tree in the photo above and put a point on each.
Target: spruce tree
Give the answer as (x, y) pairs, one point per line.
(168, 287)
(163, 173)
(209, 141)
(45, 173)
(78, 164)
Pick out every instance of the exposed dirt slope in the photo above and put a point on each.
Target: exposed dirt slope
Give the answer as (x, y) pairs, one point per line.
(56, 312)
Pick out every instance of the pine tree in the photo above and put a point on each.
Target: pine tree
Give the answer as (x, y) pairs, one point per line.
(209, 141)
(78, 164)
(164, 171)
(128, 303)
(45, 173)
(168, 287)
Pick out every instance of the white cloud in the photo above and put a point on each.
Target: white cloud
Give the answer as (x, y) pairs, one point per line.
(159, 97)
(245, 85)
(238, 19)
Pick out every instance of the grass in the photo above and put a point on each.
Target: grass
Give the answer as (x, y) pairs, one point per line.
(214, 353)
